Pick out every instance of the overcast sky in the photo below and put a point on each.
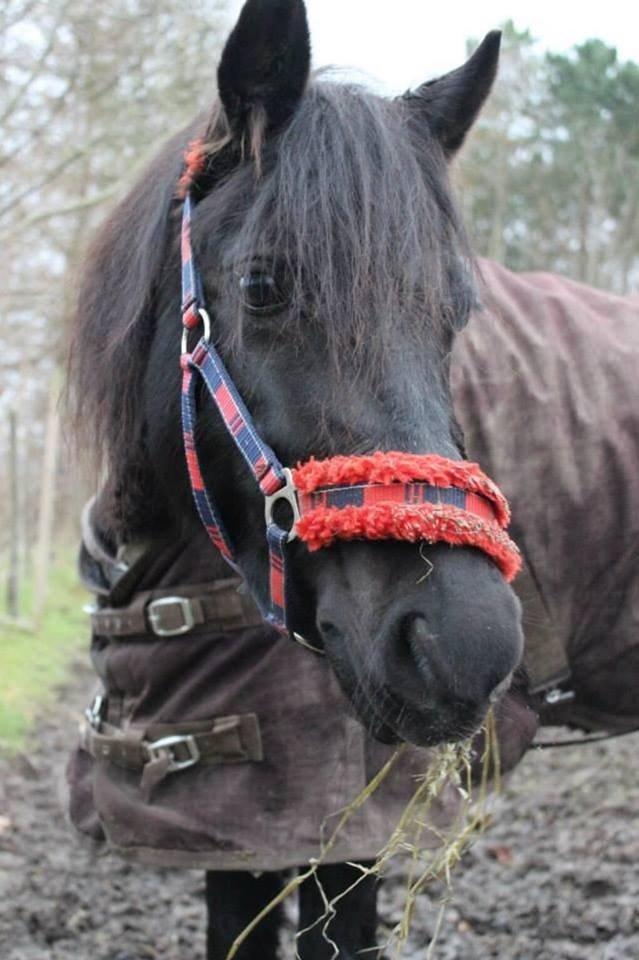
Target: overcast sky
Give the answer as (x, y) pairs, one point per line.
(402, 42)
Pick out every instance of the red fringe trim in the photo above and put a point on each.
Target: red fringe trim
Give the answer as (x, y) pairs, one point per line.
(399, 467)
(195, 162)
(390, 521)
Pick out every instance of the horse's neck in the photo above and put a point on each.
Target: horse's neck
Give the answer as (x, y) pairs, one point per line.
(165, 554)
(130, 507)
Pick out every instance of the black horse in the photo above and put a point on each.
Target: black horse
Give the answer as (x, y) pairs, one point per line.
(336, 272)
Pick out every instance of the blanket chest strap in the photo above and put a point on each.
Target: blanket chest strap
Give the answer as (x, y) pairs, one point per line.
(169, 748)
(173, 612)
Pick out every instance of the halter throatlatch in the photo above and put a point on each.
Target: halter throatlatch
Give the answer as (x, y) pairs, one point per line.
(384, 496)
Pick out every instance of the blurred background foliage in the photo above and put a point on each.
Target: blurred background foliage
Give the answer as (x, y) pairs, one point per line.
(550, 177)
(549, 180)
(87, 93)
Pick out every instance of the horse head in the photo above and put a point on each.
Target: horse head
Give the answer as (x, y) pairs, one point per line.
(336, 273)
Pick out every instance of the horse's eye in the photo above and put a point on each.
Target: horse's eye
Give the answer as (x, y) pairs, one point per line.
(261, 293)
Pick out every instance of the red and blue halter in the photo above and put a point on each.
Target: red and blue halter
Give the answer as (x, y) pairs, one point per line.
(391, 495)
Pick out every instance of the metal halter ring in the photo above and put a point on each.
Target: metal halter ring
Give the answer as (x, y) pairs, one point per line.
(303, 642)
(288, 493)
(206, 322)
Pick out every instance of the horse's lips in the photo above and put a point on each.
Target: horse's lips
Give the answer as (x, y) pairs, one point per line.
(418, 731)
(407, 728)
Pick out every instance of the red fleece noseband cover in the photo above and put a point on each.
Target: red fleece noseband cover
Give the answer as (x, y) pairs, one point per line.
(404, 496)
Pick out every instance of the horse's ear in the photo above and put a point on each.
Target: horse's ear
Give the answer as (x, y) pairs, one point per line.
(450, 104)
(265, 64)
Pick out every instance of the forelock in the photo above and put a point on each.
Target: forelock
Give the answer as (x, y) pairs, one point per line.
(357, 208)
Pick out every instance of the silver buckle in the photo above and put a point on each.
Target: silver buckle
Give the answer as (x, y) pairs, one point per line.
(155, 618)
(557, 695)
(94, 712)
(158, 748)
(289, 493)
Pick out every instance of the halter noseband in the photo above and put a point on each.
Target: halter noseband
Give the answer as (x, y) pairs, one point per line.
(384, 496)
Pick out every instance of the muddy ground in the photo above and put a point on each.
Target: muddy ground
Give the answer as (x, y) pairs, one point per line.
(557, 875)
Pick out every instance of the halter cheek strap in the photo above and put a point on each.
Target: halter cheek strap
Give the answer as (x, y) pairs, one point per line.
(206, 364)
(387, 495)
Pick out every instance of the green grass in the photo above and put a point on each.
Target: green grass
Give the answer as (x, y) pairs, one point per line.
(33, 664)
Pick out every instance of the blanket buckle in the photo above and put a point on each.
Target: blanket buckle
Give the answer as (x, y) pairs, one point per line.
(158, 749)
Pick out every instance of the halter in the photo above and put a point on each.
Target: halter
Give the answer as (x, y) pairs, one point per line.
(384, 496)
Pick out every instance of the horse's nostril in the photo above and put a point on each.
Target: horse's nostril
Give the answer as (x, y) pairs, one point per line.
(330, 632)
(453, 672)
(416, 644)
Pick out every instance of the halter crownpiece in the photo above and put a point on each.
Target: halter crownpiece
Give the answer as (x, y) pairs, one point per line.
(383, 496)
(194, 165)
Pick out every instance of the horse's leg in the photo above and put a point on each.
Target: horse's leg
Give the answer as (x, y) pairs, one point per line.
(232, 900)
(354, 926)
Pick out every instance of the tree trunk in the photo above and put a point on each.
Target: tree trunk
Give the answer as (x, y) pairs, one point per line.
(496, 245)
(47, 502)
(13, 576)
(584, 230)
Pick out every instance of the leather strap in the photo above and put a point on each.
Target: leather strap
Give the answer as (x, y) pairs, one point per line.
(570, 714)
(545, 656)
(231, 739)
(179, 610)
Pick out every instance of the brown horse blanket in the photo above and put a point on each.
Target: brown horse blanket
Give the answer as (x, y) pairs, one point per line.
(285, 754)
(546, 388)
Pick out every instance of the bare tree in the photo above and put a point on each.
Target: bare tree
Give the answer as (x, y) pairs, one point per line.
(88, 93)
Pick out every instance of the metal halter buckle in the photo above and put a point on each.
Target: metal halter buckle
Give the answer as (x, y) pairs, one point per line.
(158, 748)
(206, 321)
(288, 493)
(155, 617)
